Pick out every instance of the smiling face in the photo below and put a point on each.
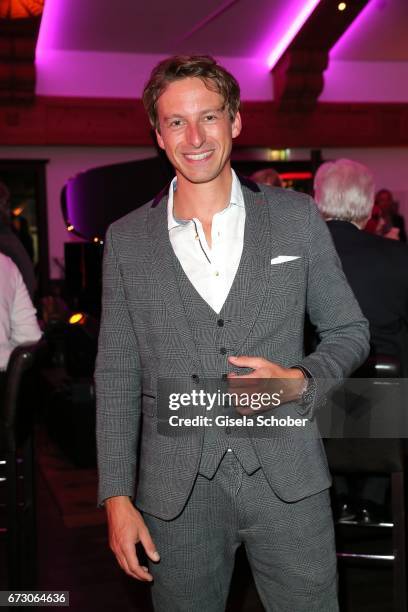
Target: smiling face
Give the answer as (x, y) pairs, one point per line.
(195, 130)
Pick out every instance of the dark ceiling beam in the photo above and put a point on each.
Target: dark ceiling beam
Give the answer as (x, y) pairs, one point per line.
(298, 75)
(98, 122)
(18, 38)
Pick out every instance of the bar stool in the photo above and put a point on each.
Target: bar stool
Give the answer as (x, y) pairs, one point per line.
(16, 453)
(366, 457)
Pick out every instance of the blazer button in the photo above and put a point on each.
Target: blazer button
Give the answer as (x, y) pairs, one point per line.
(223, 350)
(195, 377)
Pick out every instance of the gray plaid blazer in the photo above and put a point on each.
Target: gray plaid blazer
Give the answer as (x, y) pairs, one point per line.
(145, 335)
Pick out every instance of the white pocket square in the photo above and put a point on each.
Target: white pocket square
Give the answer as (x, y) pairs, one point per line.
(283, 259)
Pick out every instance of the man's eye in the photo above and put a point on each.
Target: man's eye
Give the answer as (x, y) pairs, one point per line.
(175, 123)
(210, 117)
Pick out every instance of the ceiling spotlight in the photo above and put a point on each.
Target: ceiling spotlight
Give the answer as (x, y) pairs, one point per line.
(342, 6)
(70, 228)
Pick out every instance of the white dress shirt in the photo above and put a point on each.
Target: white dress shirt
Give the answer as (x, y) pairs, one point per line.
(18, 323)
(210, 270)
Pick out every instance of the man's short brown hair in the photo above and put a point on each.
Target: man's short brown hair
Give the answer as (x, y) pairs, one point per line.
(178, 67)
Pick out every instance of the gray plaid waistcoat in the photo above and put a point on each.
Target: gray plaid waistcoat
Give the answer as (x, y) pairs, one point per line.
(213, 335)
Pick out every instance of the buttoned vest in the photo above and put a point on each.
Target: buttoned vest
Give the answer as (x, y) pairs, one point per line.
(215, 336)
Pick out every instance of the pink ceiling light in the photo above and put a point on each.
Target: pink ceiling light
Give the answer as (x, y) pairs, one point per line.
(291, 32)
(53, 17)
(368, 18)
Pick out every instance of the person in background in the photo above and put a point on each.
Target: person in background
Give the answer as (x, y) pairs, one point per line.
(375, 223)
(18, 323)
(267, 176)
(380, 225)
(376, 268)
(11, 246)
(389, 212)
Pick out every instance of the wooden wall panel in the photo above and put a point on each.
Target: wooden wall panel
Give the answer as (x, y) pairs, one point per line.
(18, 38)
(97, 122)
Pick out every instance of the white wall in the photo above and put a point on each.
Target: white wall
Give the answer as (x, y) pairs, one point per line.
(365, 82)
(106, 75)
(390, 167)
(88, 74)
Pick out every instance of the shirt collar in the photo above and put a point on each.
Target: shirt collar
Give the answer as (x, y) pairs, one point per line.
(236, 199)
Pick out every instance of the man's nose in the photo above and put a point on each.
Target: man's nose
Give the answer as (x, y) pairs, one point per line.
(195, 135)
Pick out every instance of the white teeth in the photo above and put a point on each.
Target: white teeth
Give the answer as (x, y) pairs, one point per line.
(198, 156)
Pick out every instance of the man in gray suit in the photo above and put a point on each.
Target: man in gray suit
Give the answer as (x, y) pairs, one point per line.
(212, 280)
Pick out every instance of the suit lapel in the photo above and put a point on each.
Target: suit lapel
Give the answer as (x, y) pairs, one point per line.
(162, 268)
(253, 274)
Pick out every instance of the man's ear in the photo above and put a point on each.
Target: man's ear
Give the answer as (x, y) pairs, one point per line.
(236, 125)
(159, 139)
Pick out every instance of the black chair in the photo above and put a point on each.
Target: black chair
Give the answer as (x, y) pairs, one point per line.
(377, 457)
(16, 453)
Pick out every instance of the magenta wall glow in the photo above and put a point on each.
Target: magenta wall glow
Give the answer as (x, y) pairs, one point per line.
(53, 17)
(51, 69)
(93, 74)
(289, 26)
(365, 82)
(367, 15)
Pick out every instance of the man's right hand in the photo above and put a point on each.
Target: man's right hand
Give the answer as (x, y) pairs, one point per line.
(127, 528)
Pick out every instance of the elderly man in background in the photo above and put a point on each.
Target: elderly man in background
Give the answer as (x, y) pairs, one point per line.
(377, 270)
